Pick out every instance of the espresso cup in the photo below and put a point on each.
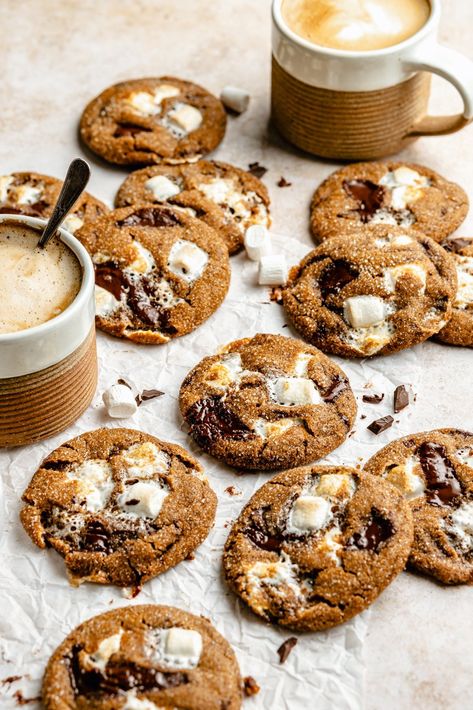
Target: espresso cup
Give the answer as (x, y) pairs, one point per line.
(48, 373)
(362, 105)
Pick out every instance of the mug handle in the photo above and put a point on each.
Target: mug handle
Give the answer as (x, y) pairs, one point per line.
(455, 68)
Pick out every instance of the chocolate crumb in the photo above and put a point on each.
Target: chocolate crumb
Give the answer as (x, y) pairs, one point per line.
(363, 416)
(257, 170)
(373, 398)
(282, 182)
(21, 700)
(250, 686)
(121, 381)
(232, 491)
(11, 679)
(285, 649)
(146, 395)
(401, 398)
(380, 425)
(134, 592)
(275, 295)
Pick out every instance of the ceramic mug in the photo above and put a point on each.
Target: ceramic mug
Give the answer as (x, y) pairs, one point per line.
(363, 105)
(48, 373)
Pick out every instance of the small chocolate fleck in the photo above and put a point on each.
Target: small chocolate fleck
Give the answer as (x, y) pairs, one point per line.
(257, 170)
(443, 485)
(401, 398)
(377, 531)
(282, 182)
(380, 425)
(135, 591)
(368, 194)
(285, 649)
(374, 398)
(250, 686)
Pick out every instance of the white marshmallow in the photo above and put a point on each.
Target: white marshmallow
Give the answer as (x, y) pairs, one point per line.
(460, 525)
(335, 485)
(145, 460)
(105, 302)
(27, 194)
(5, 182)
(72, 223)
(301, 364)
(283, 571)
(257, 242)
(185, 117)
(94, 477)
(272, 270)
(175, 648)
(187, 260)
(119, 401)
(165, 91)
(364, 311)
(234, 98)
(289, 391)
(105, 650)
(309, 513)
(143, 262)
(464, 295)
(162, 187)
(150, 496)
(132, 702)
(392, 275)
(143, 102)
(466, 456)
(183, 642)
(269, 430)
(405, 478)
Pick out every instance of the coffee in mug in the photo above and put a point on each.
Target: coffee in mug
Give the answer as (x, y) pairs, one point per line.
(355, 25)
(37, 284)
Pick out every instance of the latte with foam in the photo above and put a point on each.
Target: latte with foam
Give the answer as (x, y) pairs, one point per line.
(35, 284)
(355, 25)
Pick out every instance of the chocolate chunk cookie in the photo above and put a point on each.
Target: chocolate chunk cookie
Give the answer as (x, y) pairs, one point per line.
(434, 470)
(316, 545)
(459, 329)
(376, 291)
(225, 197)
(402, 194)
(35, 195)
(148, 121)
(120, 506)
(267, 402)
(144, 657)
(159, 273)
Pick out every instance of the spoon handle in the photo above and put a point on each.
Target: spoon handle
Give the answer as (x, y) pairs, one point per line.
(75, 181)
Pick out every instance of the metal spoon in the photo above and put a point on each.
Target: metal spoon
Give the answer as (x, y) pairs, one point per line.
(76, 179)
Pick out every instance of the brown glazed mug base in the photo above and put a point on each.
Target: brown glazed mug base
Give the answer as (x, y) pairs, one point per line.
(44, 403)
(345, 125)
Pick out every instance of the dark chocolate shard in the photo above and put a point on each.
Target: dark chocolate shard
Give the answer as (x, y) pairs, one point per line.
(401, 398)
(110, 277)
(335, 276)
(377, 531)
(373, 398)
(443, 485)
(338, 385)
(146, 395)
(285, 649)
(257, 170)
(210, 419)
(380, 425)
(369, 196)
(150, 217)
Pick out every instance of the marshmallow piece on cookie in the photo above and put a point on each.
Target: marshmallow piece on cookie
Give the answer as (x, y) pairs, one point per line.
(184, 644)
(294, 391)
(143, 499)
(133, 702)
(106, 648)
(309, 513)
(272, 270)
(257, 242)
(162, 187)
(105, 302)
(187, 260)
(72, 223)
(5, 183)
(119, 401)
(27, 194)
(364, 311)
(235, 99)
(186, 117)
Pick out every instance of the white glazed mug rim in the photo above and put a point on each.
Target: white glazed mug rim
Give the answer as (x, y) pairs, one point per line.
(427, 28)
(81, 299)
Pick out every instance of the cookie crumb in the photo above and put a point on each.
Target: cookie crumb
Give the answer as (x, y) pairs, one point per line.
(380, 425)
(275, 295)
(282, 182)
(190, 557)
(257, 170)
(285, 649)
(233, 491)
(250, 686)
(401, 398)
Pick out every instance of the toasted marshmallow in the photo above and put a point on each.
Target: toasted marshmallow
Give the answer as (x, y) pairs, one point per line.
(143, 261)
(105, 302)
(162, 187)
(269, 430)
(106, 648)
(272, 270)
(119, 401)
(187, 260)
(404, 477)
(301, 365)
(290, 391)
(187, 118)
(143, 499)
(257, 242)
(336, 485)
(145, 460)
(165, 91)
(223, 372)
(72, 223)
(415, 271)
(235, 99)
(364, 311)
(133, 702)
(273, 574)
(143, 102)
(95, 481)
(309, 513)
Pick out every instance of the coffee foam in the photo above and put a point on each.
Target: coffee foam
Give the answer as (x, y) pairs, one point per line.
(35, 284)
(356, 25)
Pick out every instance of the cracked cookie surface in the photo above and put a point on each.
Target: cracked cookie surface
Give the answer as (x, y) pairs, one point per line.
(159, 273)
(227, 198)
(392, 193)
(316, 545)
(35, 195)
(434, 470)
(376, 292)
(459, 329)
(267, 402)
(119, 506)
(144, 657)
(153, 120)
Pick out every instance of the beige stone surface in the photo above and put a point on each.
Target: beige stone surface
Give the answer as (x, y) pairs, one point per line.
(55, 55)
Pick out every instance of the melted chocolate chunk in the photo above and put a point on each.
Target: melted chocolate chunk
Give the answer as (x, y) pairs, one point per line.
(401, 398)
(96, 537)
(380, 425)
(377, 531)
(110, 277)
(369, 195)
(457, 244)
(338, 385)
(373, 398)
(337, 275)
(210, 419)
(257, 532)
(285, 649)
(443, 485)
(150, 217)
(119, 676)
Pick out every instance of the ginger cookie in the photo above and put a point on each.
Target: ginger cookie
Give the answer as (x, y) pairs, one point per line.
(391, 193)
(120, 506)
(228, 199)
(148, 121)
(267, 403)
(159, 273)
(144, 657)
(316, 545)
(434, 470)
(376, 291)
(35, 195)
(459, 329)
